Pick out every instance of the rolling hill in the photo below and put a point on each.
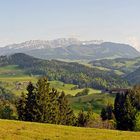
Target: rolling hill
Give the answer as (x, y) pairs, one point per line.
(11, 130)
(134, 77)
(125, 65)
(129, 68)
(71, 49)
(73, 73)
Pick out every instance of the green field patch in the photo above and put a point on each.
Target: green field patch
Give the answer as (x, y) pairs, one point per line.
(11, 71)
(69, 88)
(15, 84)
(96, 100)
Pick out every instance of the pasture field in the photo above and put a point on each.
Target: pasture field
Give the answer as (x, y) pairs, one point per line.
(97, 100)
(17, 130)
(10, 71)
(11, 83)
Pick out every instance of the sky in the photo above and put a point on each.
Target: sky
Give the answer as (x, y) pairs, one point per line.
(108, 20)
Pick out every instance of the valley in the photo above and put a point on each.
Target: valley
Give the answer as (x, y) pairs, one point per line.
(69, 70)
(19, 69)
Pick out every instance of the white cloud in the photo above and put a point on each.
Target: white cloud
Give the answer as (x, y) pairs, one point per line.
(134, 41)
(5, 41)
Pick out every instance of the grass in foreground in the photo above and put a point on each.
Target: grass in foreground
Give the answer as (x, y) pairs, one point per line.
(16, 130)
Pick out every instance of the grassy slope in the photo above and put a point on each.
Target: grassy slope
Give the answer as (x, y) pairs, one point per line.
(67, 88)
(14, 130)
(97, 100)
(10, 71)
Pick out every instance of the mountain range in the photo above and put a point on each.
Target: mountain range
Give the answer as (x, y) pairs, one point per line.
(71, 49)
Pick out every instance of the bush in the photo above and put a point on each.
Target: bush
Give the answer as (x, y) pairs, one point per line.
(83, 92)
(137, 122)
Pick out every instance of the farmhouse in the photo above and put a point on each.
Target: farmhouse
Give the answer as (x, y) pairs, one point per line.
(116, 90)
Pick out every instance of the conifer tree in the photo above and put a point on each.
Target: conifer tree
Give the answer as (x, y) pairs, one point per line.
(43, 100)
(66, 115)
(53, 112)
(129, 115)
(43, 104)
(124, 112)
(118, 110)
(21, 104)
(31, 104)
(104, 114)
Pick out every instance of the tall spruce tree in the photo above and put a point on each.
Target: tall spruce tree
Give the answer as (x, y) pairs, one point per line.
(31, 104)
(66, 115)
(103, 114)
(43, 99)
(129, 117)
(54, 107)
(21, 105)
(124, 112)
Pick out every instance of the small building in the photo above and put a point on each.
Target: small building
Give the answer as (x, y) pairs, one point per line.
(118, 90)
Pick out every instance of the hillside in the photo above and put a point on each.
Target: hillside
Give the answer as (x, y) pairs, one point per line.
(128, 68)
(36, 131)
(134, 77)
(95, 99)
(71, 49)
(72, 73)
(125, 65)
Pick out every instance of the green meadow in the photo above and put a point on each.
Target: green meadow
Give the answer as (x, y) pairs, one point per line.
(16, 130)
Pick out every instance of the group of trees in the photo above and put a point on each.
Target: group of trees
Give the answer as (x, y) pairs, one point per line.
(7, 104)
(126, 111)
(42, 104)
(46, 105)
(83, 92)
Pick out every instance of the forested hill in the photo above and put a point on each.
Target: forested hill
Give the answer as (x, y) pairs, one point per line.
(134, 77)
(66, 72)
(125, 65)
(129, 67)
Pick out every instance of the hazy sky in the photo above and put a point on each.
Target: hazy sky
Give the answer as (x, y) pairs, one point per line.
(108, 20)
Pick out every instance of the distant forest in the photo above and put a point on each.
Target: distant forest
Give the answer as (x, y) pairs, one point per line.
(73, 73)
